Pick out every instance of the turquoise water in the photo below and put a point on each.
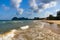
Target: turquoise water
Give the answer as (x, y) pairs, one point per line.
(9, 25)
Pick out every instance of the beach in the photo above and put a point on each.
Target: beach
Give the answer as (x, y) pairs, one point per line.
(36, 30)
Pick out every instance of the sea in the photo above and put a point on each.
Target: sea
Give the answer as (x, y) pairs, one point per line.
(6, 26)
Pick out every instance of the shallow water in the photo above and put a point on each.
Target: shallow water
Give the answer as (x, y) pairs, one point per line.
(6, 26)
(9, 25)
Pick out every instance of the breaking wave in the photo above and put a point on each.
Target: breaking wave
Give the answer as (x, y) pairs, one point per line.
(9, 35)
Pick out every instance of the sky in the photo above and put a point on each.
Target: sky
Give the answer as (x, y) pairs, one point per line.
(28, 8)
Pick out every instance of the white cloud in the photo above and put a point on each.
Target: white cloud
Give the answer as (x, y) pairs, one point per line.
(48, 13)
(20, 11)
(33, 4)
(40, 10)
(17, 4)
(49, 5)
(5, 7)
(57, 10)
(42, 4)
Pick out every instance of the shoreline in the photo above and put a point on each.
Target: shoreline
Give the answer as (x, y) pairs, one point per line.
(13, 34)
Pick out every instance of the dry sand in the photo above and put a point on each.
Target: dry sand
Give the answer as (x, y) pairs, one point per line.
(53, 21)
(39, 31)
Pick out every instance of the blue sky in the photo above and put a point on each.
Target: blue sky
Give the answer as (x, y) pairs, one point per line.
(28, 8)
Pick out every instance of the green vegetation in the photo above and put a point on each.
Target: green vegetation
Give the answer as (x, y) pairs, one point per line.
(51, 17)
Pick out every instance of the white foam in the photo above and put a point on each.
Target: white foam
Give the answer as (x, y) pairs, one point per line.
(18, 21)
(34, 21)
(1, 38)
(24, 27)
(4, 22)
(8, 36)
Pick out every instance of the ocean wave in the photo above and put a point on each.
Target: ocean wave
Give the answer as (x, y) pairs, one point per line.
(17, 21)
(3, 22)
(8, 35)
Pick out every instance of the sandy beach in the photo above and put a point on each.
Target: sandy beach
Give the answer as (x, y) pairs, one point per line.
(38, 30)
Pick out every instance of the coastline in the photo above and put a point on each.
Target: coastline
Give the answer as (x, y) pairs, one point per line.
(30, 32)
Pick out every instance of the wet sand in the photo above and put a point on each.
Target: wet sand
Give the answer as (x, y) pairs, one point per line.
(38, 30)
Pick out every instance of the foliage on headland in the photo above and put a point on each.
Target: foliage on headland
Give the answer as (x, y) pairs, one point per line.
(51, 17)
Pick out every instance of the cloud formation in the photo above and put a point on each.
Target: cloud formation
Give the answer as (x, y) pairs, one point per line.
(5, 7)
(16, 4)
(33, 4)
(40, 5)
(49, 5)
(57, 10)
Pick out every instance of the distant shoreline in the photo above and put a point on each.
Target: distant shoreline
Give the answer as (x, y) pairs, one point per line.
(48, 21)
(28, 19)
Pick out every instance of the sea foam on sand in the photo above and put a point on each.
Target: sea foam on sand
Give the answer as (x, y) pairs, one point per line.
(37, 31)
(11, 34)
(24, 27)
(8, 36)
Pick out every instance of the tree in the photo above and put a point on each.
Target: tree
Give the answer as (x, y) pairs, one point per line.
(50, 17)
(14, 18)
(58, 15)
